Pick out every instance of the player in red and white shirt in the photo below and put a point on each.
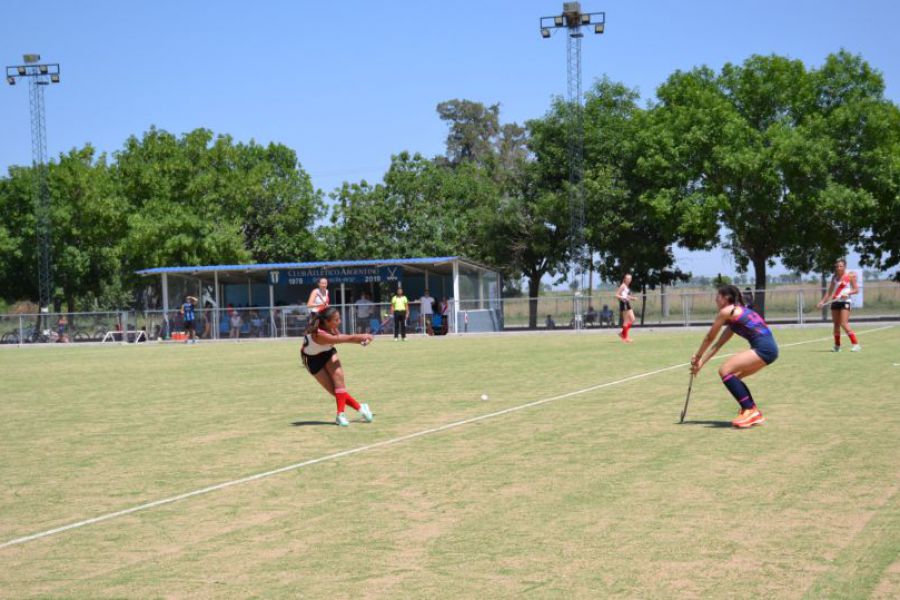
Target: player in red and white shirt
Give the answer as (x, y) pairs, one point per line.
(842, 286)
(626, 318)
(318, 298)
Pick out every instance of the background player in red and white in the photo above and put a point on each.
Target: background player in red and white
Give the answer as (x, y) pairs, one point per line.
(320, 358)
(318, 298)
(623, 294)
(842, 286)
(746, 322)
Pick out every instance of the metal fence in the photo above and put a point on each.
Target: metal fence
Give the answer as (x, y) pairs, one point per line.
(676, 307)
(233, 323)
(600, 309)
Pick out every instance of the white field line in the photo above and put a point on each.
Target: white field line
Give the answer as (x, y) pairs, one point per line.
(392, 441)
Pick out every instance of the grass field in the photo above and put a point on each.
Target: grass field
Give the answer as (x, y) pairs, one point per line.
(592, 495)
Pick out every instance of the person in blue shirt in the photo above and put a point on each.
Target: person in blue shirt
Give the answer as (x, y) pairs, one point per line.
(735, 317)
(187, 311)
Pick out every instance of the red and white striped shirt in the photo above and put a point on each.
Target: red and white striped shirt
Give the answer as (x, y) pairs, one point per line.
(842, 287)
(320, 300)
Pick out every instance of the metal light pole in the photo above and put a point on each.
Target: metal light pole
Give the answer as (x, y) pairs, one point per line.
(572, 20)
(39, 75)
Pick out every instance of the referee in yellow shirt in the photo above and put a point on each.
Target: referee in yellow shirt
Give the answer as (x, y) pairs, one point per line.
(400, 310)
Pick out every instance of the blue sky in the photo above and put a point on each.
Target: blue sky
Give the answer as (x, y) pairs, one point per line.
(347, 84)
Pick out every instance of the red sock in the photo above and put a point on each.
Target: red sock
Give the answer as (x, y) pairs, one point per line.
(626, 329)
(852, 337)
(344, 398)
(837, 340)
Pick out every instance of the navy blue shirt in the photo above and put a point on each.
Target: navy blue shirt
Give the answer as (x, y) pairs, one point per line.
(750, 325)
(188, 309)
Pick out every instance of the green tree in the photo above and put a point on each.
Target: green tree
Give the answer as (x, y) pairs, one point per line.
(861, 129)
(176, 217)
(527, 232)
(89, 226)
(421, 209)
(202, 199)
(749, 147)
(473, 130)
(629, 225)
(839, 163)
(361, 220)
(265, 190)
(18, 240)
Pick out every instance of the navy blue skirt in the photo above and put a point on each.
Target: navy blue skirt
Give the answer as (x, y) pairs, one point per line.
(766, 348)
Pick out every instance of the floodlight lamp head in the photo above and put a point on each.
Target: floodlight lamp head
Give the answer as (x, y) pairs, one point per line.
(545, 33)
(572, 13)
(10, 80)
(598, 28)
(585, 19)
(31, 58)
(21, 69)
(558, 20)
(43, 69)
(54, 78)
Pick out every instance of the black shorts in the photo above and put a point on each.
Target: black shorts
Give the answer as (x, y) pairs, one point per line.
(188, 325)
(624, 305)
(317, 362)
(840, 305)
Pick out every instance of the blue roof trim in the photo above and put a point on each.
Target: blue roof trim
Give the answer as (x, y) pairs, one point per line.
(305, 265)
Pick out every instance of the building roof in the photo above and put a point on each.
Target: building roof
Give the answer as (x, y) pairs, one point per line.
(333, 264)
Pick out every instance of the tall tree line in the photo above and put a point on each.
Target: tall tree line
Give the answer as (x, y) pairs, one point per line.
(791, 162)
(160, 200)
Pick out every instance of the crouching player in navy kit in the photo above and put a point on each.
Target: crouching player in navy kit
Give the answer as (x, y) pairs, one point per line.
(763, 351)
(320, 357)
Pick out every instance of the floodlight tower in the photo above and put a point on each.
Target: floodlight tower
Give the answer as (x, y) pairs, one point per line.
(39, 75)
(572, 20)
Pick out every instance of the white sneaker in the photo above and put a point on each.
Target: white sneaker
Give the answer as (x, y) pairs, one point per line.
(856, 348)
(341, 420)
(366, 413)
(836, 349)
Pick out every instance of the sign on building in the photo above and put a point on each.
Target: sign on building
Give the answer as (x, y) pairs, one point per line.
(337, 275)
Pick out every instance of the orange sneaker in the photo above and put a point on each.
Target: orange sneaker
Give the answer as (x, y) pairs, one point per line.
(745, 415)
(749, 419)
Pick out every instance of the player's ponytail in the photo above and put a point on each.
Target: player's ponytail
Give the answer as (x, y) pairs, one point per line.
(732, 293)
(313, 325)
